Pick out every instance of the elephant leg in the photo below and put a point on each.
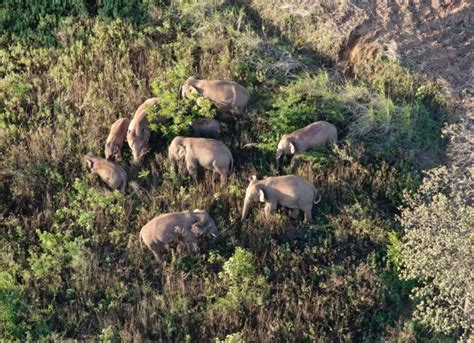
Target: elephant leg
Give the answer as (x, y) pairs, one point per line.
(269, 209)
(191, 166)
(192, 247)
(307, 215)
(222, 175)
(223, 178)
(294, 213)
(215, 176)
(179, 248)
(157, 249)
(190, 240)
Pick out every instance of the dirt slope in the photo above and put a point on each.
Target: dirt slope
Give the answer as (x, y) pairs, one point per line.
(433, 37)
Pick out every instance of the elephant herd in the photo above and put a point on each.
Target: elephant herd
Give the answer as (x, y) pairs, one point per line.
(188, 227)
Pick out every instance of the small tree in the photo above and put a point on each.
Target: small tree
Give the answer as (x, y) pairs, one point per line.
(438, 250)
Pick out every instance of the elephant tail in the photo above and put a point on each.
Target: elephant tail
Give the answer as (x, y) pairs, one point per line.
(141, 240)
(319, 198)
(231, 163)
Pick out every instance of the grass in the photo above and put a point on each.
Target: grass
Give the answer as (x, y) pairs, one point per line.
(70, 254)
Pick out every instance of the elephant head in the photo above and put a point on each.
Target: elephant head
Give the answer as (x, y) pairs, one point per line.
(189, 87)
(90, 160)
(255, 192)
(204, 224)
(286, 146)
(176, 151)
(137, 137)
(112, 151)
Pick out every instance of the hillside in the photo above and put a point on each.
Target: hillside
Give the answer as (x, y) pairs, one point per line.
(387, 256)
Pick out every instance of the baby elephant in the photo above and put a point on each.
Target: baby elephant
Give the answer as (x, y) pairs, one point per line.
(289, 191)
(206, 127)
(312, 136)
(228, 96)
(167, 230)
(111, 173)
(208, 153)
(117, 135)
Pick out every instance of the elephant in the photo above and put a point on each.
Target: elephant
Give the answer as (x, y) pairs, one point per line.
(290, 191)
(138, 132)
(168, 230)
(111, 173)
(227, 96)
(206, 127)
(117, 135)
(208, 153)
(312, 136)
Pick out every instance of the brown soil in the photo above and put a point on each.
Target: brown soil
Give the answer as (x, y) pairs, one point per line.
(433, 37)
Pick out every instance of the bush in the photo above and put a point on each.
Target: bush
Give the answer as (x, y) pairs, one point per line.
(437, 250)
(245, 287)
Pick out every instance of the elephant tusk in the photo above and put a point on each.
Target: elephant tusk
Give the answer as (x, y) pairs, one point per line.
(213, 234)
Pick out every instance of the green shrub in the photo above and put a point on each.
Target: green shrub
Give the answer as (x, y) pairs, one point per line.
(59, 251)
(180, 112)
(437, 250)
(86, 203)
(35, 21)
(245, 286)
(301, 103)
(12, 305)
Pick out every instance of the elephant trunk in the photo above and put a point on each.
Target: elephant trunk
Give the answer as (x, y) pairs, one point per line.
(245, 210)
(278, 160)
(173, 163)
(136, 155)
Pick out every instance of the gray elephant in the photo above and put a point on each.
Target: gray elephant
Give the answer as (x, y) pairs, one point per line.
(117, 135)
(111, 173)
(206, 127)
(309, 137)
(208, 153)
(168, 230)
(290, 191)
(138, 132)
(227, 96)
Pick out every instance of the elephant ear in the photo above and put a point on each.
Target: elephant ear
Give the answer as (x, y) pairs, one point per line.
(89, 163)
(197, 230)
(292, 147)
(179, 230)
(193, 90)
(181, 151)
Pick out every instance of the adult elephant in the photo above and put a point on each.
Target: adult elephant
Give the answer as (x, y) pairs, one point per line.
(168, 230)
(227, 96)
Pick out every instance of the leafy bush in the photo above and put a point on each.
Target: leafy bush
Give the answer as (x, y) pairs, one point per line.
(85, 203)
(246, 287)
(180, 112)
(58, 253)
(301, 103)
(12, 305)
(437, 250)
